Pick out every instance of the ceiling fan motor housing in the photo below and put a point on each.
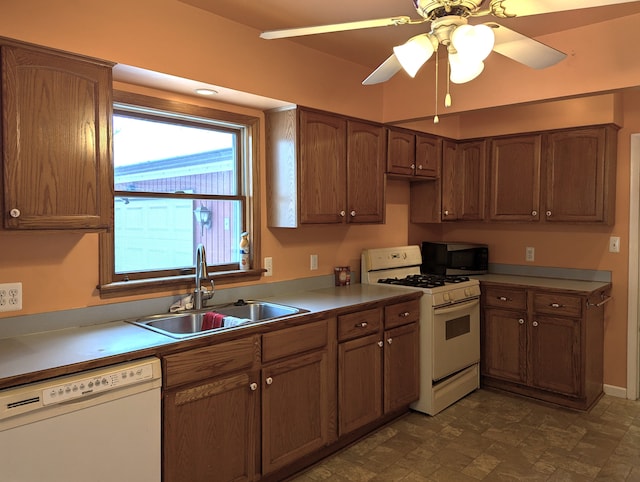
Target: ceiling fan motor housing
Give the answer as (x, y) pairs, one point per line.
(433, 9)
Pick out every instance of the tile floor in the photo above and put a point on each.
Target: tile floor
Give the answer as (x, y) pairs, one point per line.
(491, 436)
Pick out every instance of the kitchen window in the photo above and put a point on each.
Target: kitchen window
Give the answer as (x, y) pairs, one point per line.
(182, 176)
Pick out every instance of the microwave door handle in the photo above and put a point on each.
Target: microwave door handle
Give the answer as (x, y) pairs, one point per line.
(457, 307)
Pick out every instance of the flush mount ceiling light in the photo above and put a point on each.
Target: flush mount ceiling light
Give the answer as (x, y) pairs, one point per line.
(204, 91)
(448, 15)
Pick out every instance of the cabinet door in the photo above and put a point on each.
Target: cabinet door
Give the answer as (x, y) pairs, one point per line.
(463, 180)
(504, 343)
(211, 430)
(401, 152)
(515, 179)
(295, 409)
(322, 168)
(365, 172)
(401, 367)
(580, 178)
(359, 382)
(555, 354)
(428, 156)
(56, 134)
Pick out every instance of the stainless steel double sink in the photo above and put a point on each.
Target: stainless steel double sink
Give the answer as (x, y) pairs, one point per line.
(193, 323)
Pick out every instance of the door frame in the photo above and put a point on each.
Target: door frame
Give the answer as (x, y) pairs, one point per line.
(633, 323)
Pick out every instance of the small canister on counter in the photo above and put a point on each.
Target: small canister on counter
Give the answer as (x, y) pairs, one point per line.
(343, 275)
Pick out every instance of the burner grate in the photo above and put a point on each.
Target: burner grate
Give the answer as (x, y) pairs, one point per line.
(424, 280)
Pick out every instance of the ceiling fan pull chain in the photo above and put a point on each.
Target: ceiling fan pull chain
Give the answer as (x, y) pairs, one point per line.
(436, 119)
(447, 98)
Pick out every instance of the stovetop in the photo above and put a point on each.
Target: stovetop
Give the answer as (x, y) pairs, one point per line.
(424, 280)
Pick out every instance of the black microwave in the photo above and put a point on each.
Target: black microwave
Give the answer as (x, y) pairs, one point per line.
(448, 258)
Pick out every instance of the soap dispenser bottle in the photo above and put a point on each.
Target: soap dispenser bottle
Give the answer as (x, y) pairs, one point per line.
(244, 251)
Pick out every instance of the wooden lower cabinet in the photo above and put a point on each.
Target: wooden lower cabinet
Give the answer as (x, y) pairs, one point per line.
(211, 421)
(401, 367)
(543, 343)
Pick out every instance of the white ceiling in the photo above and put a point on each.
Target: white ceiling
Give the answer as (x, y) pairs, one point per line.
(371, 47)
(368, 47)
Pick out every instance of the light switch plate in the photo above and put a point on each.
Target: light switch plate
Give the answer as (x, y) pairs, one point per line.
(614, 244)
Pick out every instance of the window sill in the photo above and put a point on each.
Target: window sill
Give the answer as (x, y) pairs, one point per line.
(135, 287)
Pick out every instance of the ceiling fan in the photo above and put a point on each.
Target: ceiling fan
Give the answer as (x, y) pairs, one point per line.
(467, 44)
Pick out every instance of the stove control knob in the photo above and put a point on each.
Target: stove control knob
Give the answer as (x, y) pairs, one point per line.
(446, 296)
(467, 292)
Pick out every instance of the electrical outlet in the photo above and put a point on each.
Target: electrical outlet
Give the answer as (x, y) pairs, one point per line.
(10, 296)
(313, 262)
(268, 265)
(530, 253)
(614, 244)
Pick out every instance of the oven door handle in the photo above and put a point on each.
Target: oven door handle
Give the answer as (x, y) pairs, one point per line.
(465, 305)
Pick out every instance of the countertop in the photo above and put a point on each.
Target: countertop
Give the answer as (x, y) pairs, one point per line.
(549, 283)
(47, 354)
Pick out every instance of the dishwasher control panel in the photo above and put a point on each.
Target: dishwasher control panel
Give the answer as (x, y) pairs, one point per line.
(102, 381)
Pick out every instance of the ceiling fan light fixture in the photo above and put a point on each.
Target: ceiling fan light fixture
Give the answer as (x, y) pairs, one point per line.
(414, 53)
(463, 70)
(473, 42)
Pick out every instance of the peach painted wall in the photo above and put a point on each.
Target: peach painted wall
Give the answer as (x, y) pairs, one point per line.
(584, 247)
(59, 270)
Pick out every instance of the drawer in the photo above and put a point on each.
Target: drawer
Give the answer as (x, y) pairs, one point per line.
(557, 304)
(211, 361)
(401, 313)
(358, 324)
(502, 297)
(291, 341)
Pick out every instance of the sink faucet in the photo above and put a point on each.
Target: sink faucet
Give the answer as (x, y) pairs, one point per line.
(201, 294)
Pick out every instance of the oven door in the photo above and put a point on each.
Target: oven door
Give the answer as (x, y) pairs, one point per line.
(456, 337)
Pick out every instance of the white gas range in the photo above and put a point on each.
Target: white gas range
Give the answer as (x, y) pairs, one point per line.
(449, 324)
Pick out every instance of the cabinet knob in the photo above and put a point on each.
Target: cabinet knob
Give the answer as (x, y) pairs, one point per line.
(534, 213)
(269, 380)
(380, 344)
(548, 214)
(404, 315)
(521, 321)
(342, 214)
(503, 298)
(353, 214)
(419, 167)
(253, 386)
(535, 323)
(556, 305)
(446, 212)
(390, 340)
(413, 166)
(14, 213)
(364, 324)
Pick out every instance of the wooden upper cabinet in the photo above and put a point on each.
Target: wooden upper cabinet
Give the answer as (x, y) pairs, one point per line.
(365, 172)
(323, 168)
(463, 180)
(56, 133)
(580, 175)
(413, 154)
(401, 152)
(515, 178)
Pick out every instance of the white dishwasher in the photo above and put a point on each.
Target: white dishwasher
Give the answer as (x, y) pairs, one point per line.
(100, 425)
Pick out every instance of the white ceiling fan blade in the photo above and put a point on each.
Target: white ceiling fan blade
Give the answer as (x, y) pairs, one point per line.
(384, 72)
(521, 8)
(523, 49)
(338, 27)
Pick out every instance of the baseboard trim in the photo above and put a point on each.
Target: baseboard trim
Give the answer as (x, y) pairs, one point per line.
(614, 391)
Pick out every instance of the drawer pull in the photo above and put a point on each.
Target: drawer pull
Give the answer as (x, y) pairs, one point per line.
(253, 387)
(404, 315)
(503, 298)
(521, 321)
(556, 305)
(364, 324)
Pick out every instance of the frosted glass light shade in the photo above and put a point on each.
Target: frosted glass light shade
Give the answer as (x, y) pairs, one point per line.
(463, 70)
(474, 43)
(414, 53)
